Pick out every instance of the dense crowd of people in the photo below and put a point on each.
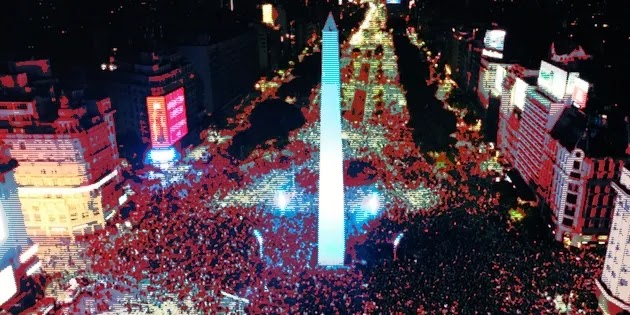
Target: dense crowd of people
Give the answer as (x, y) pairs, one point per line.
(458, 256)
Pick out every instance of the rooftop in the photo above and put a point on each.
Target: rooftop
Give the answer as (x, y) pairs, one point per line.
(575, 130)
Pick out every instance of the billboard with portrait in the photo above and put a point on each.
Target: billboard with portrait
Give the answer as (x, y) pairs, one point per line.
(552, 80)
(156, 113)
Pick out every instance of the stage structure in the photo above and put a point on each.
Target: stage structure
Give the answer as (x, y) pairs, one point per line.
(331, 216)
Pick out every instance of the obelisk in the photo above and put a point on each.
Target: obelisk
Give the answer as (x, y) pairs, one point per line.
(331, 217)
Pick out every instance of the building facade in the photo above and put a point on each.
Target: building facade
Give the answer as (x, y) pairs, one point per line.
(18, 254)
(563, 155)
(227, 69)
(613, 289)
(138, 75)
(512, 94)
(69, 163)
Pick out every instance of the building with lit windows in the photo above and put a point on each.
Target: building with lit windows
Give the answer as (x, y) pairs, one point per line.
(18, 254)
(567, 158)
(512, 89)
(613, 289)
(539, 114)
(580, 194)
(66, 147)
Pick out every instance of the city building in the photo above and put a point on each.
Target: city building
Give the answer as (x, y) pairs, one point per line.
(569, 158)
(491, 60)
(226, 66)
(541, 109)
(66, 149)
(613, 289)
(131, 77)
(463, 57)
(18, 254)
(331, 218)
(580, 195)
(513, 87)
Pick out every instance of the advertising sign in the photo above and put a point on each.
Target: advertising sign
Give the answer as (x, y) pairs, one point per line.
(156, 109)
(494, 40)
(267, 13)
(393, 1)
(176, 120)
(580, 93)
(552, 80)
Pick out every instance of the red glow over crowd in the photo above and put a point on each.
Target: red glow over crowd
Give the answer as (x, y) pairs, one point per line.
(190, 251)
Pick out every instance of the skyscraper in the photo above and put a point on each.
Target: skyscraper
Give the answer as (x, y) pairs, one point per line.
(331, 217)
(612, 288)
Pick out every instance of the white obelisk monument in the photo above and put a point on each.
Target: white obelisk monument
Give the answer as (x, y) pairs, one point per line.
(331, 235)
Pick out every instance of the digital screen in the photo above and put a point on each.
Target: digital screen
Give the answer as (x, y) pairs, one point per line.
(9, 287)
(167, 118)
(494, 39)
(267, 13)
(571, 82)
(580, 93)
(156, 109)
(518, 93)
(552, 79)
(393, 1)
(176, 109)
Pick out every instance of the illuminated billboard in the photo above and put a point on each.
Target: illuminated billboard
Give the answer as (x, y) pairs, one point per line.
(393, 1)
(156, 109)
(267, 14)
(580, 93)
(167, 118)
(518, 93)
(552, 80)
(494, 40)
(176, 120)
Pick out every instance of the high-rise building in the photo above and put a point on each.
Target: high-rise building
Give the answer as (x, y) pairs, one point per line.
(137, 76)
(568, 158)
(513, 86)
(613, 289)
(226, 67)
(18, 255)
(331, 215)
(67, 153)
(578, 186)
